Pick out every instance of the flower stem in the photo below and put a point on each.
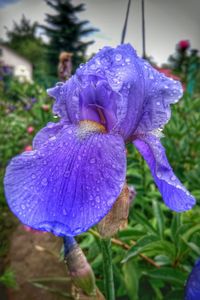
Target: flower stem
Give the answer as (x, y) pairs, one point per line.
(107, 268)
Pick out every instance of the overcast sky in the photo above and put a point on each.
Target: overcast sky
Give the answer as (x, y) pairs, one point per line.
(167, 22)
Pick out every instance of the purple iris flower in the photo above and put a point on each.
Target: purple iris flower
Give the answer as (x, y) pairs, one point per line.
(192, 289)
(77, 168)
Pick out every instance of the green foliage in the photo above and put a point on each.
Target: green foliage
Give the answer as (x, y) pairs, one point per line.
(65, 32)
(8, 279)
(22, 105)
(157, 250)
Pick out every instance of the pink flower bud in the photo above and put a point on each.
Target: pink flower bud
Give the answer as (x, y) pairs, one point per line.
(45, 107)
(28, 148)
(30, 129)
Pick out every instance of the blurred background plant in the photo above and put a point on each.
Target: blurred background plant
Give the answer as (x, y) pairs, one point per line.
(153, 256)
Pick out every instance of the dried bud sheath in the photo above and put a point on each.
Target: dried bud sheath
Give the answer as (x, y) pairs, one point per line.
(117, 218)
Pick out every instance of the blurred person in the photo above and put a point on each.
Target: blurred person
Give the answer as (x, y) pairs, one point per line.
(65, 66)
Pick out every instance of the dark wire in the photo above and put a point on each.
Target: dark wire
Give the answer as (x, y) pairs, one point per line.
(143, 31)
(125, 23)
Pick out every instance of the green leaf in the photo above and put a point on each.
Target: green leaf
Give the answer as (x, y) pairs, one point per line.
(173, 276)
(8, 279)
(193, 247)
(159, 218)
(152, 246)
(142, 220)
(131, 279)
(130, 233)
(192, 230)
(140, 246)
(175, 225)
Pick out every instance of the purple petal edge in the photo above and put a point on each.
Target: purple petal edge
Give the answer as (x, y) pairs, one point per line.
(174, 194)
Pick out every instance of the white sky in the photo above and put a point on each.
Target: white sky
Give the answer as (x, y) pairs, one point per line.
(167, 22)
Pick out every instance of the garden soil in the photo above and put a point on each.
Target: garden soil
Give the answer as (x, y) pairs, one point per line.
(34, 255)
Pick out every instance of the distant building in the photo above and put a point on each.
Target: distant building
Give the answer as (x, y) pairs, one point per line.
(18, 65)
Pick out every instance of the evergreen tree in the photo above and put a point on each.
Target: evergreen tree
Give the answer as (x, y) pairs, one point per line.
(65, 32)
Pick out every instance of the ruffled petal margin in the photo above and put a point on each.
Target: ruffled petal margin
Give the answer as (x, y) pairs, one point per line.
(68, 184)
(174, 194)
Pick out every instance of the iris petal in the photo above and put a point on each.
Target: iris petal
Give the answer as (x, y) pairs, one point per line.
(175, 195)
(192, 290)
(160, 91)
(69, 183)
(50, 131)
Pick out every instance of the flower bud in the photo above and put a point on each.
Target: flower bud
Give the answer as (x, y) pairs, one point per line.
(45, 107)
(30, 129)
(28, 148)
(80, 270)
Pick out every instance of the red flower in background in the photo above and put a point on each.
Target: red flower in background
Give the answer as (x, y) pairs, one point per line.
(183, 45)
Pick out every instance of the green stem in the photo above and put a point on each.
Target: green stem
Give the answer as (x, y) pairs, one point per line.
(107, 268)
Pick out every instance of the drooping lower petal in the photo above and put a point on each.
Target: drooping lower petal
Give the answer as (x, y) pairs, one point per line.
(70, 182)
(175, 195)
(46, 133)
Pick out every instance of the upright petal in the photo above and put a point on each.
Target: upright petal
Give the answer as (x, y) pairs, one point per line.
(69, 183)
(123, 72)
(175, 195)
(66, 97)
(160, 91)
(139, 95)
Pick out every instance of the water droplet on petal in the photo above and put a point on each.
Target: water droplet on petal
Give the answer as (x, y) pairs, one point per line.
(128, 60)
(159, 175)
(178, 186)
(93, 67)
(69, 131)
(66, 174)
(118, 57)
(44, 181)
(92, 160)
(23, 206)
(59, 83)
(188, 206)
(97, 198)
(33, 176)
(52, 138)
